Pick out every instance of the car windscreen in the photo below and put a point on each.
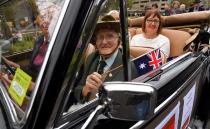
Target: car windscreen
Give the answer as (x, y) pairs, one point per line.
(26, 29)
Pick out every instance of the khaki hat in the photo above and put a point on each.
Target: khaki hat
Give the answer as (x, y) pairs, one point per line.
(108, 22)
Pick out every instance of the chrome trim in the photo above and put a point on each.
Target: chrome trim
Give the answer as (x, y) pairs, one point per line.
(61, 126)
(167, 65)
(167, 100)
(129, 86)
(137, 124)
(8, 103)
(90, 118)
(52, 41)
(10, 107)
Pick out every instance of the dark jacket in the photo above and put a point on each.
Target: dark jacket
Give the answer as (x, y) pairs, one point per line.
(200, 8)
(37, 44)
(90, 67)
(32, 69)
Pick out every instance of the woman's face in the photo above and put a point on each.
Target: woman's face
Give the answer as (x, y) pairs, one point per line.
(152, 25)
(176, 5)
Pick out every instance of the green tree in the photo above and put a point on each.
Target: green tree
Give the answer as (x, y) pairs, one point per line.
(114, 5)
(5, 29)
(9, 13)
(33, 6)
(129, 3)
(110, 5)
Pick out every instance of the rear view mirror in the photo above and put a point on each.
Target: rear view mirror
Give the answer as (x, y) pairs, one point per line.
(130, 101)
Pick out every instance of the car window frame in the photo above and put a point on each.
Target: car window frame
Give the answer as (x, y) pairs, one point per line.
(69, 118)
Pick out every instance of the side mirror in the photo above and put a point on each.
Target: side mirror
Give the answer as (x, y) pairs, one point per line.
(124, 101)
(129, 101)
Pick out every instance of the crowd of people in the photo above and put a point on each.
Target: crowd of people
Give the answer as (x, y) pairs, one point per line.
(177, 7)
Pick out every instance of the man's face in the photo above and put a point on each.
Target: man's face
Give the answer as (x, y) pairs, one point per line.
(44, 26)
(107, 42)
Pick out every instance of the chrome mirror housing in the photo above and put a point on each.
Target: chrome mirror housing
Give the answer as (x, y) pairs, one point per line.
(129, 101)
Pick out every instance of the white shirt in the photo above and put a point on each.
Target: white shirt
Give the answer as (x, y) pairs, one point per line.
(160, 41)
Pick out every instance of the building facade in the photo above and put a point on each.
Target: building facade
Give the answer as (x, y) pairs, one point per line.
(141, 5)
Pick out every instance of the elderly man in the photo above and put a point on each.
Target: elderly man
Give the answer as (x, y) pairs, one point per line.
(103, 65)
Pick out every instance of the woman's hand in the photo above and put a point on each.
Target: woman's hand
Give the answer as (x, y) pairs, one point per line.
(11, 63)
(6, 80)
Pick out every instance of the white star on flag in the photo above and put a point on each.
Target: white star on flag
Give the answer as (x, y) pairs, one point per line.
(142, 66)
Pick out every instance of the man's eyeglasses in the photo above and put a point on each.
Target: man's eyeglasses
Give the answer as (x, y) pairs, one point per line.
(108, 37)
(152, 21)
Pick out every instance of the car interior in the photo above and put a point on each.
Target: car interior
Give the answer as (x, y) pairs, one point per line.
(180, 36)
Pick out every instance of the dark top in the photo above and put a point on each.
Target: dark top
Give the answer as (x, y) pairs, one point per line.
(38, 48)
(199, 8)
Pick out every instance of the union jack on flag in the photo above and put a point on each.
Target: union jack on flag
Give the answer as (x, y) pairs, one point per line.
(148, 62)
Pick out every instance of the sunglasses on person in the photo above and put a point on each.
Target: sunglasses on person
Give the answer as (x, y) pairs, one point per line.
(108, 37)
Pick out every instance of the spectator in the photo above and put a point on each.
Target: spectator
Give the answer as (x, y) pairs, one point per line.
(167, 10)
(38, 54)
(196, 6)
(176, 7)
(183, 8)
(155, 7)
(39, 51)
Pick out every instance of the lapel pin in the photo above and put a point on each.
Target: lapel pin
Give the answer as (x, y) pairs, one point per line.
(110, 74)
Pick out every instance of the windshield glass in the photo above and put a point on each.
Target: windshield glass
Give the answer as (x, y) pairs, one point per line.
(26, 28)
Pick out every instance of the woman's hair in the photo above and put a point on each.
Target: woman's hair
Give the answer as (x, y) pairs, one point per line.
(155, 5)
(176, 2)
(152, 13)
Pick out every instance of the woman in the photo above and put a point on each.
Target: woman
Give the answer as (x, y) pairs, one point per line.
(176, 7)
(151, 37)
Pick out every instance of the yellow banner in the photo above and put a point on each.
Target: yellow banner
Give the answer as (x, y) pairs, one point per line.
(19, 86)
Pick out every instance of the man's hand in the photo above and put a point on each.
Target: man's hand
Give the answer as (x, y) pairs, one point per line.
(93, 82)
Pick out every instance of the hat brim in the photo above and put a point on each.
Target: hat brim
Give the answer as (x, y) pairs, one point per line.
(110, 25)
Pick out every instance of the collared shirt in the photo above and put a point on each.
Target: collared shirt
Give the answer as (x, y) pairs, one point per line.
(109, 61)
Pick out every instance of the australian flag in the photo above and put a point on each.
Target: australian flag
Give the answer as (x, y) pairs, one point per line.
(148, 62)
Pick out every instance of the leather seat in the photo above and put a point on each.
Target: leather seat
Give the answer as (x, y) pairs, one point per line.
(177, 39)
